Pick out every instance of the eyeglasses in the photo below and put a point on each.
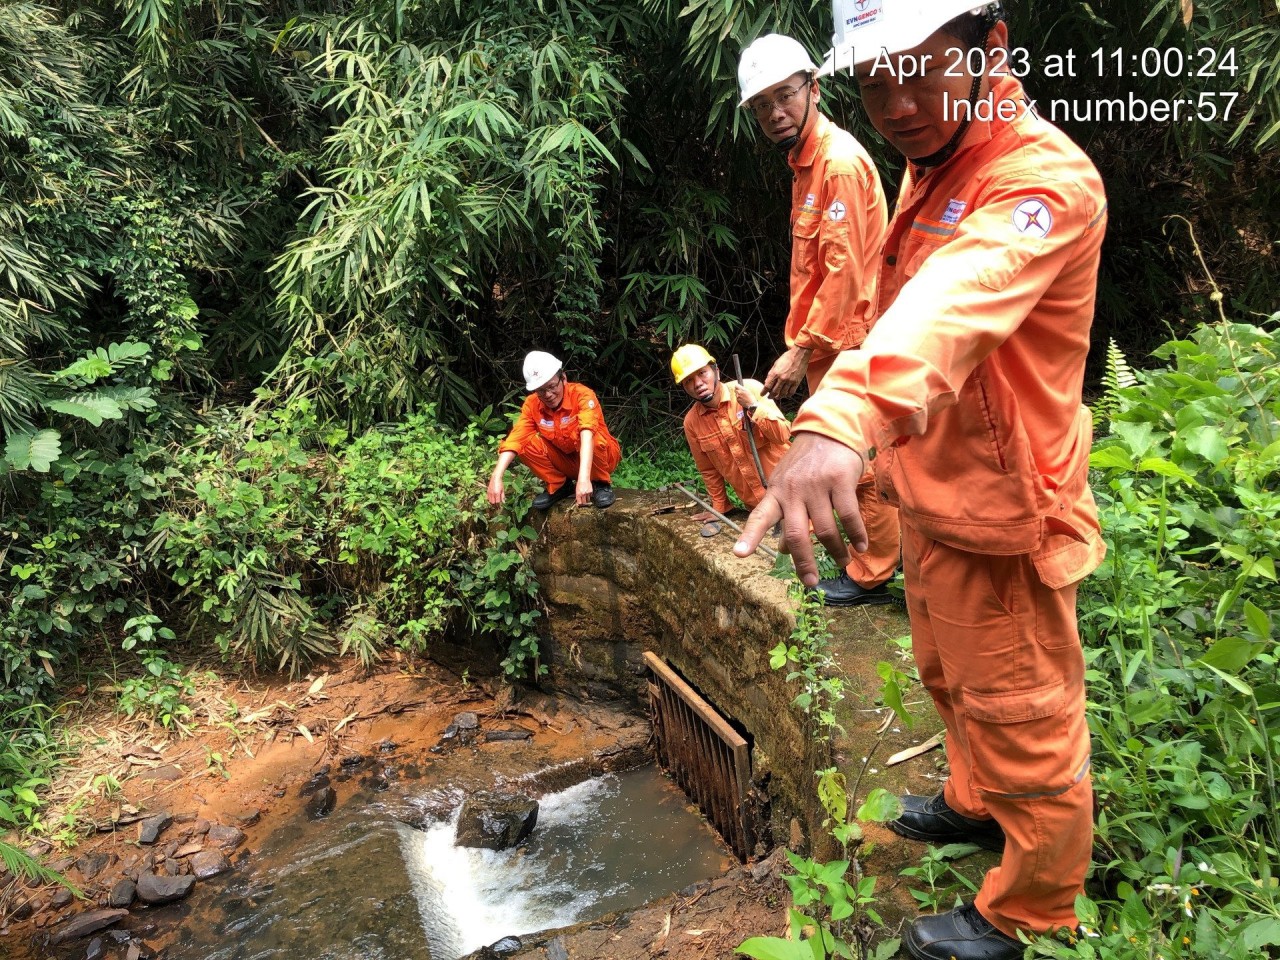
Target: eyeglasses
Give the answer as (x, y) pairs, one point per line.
(763, 108)
(550, 386)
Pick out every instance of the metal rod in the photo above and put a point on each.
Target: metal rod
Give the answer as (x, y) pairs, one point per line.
(747, 425)
(767, 551)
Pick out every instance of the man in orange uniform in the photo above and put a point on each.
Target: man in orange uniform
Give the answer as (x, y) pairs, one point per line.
(838, 216)
(560, 434)
(715, 428)
(970, 387)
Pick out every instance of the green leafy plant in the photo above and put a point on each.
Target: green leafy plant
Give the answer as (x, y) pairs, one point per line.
(944, 885)
(807, 655)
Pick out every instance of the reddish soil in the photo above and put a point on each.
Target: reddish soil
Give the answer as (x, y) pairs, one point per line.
(247, 772)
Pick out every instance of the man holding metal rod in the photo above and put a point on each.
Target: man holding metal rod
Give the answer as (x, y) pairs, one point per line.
(736, 434)
(970, 385)
(838, 217)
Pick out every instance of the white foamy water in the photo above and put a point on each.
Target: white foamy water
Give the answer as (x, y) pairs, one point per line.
(589, 854)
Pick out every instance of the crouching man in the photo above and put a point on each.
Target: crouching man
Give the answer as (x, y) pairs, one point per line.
(561, 436)
(716, 429)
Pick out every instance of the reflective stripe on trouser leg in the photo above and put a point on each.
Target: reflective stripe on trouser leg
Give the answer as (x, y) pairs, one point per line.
(1000, 655)
(878, 564)
(554, 467)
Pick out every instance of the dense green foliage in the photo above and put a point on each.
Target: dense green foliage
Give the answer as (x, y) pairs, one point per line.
(1179, 627)
(254, 254)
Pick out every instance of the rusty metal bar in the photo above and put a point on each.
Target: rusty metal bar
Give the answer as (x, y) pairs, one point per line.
(704, 754)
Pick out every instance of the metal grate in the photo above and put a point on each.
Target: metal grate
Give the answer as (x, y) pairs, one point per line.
(706, 756)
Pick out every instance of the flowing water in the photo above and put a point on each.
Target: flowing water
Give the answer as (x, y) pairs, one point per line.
(362, 884)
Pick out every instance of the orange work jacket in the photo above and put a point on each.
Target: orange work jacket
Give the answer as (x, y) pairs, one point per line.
(970, 382)
(838, 218)
(579, 410)
(718, 441)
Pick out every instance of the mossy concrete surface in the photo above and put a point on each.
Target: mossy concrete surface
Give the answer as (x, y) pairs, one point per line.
(625, 580)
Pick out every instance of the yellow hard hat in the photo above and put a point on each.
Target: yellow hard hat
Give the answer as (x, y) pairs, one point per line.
(689, 359)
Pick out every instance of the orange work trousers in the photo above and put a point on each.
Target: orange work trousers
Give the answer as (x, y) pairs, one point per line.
(878, 564)
(553, 466)
(1000, 654)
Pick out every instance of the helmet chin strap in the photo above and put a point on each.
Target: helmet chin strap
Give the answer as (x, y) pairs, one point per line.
(789, 143)
(942, 155)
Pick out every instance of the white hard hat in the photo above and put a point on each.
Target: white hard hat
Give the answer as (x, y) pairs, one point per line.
(769, 60)
(865, 27)
(539, 367)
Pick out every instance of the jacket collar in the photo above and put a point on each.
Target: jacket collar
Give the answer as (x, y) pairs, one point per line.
(982, 132)
(809, 147)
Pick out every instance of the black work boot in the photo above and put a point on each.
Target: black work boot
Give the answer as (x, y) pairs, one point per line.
(602, 495)
(931, 820)
(548, 499)
(844, 591)
(960, 934)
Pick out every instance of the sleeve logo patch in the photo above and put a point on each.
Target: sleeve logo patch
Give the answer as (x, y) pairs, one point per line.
(591, 404)
(1032, 218)
(837, 211)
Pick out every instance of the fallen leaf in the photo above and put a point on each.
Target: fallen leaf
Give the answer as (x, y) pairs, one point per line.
(907, 754)
(695, 933)
(318, 684)
(345, 720)
(302, 729)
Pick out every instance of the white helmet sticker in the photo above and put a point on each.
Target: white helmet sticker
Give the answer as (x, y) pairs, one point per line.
(1032, 217)
(861, 13)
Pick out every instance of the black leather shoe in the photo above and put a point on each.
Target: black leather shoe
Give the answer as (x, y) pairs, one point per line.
(960, 934)
(546, 500)
(931, 820)
(602, 495)
(844, 591)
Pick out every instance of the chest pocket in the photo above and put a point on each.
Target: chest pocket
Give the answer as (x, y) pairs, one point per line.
(922, 244)
(804, 244)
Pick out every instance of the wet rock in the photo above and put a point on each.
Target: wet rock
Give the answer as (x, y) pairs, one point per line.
(61, 899)
(149, 830)
(228, 838)
(467, 721)
(23, 910)
(155, 890)
(556, 950)
(92, 864)
(122, 893)
(187, 850)
(97, 949)
(495, 821)
(209, 863)
(318, 780)
(770, 866)
(492, 735)
(505, 947)
(247, 818)
(387, 746)
(83, 924)
(321, 803)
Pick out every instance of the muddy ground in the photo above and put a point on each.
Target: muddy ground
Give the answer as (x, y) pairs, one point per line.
(252, 762)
